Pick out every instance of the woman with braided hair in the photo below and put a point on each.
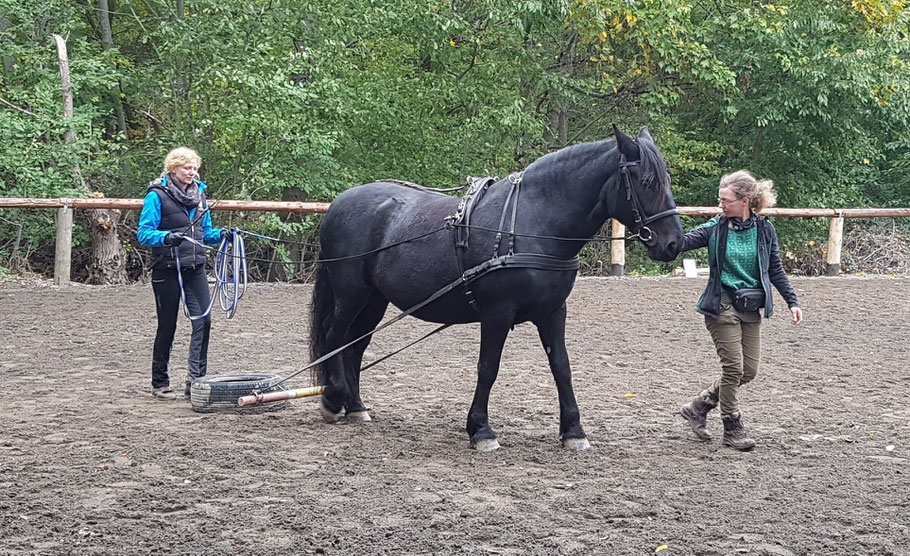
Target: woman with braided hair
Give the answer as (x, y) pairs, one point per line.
(744, 262)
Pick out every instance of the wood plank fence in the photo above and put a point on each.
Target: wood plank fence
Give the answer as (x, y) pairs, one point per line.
(65, 207)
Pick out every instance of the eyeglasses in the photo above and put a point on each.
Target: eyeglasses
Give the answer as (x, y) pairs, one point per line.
(725, 202)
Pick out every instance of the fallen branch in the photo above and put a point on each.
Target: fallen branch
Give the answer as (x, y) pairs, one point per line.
(20, 109)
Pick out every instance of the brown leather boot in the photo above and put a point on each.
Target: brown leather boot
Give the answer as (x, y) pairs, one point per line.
(734, 434)
(696, 412)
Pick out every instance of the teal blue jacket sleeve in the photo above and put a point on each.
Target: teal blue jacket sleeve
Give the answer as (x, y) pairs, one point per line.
(147, 232)
(209, 234)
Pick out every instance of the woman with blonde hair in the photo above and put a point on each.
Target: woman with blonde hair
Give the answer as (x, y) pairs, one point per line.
(744, 262)
(175, 209)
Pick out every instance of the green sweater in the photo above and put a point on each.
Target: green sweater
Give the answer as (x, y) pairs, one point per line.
(741, 263)
(741, 269)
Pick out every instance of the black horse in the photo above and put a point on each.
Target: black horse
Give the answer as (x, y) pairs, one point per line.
(553, 207)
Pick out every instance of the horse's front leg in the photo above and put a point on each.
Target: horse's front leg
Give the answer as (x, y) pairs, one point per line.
(492, 338)
(552, 331)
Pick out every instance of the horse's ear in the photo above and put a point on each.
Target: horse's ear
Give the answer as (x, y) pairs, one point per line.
(643, 133)
(625, 144)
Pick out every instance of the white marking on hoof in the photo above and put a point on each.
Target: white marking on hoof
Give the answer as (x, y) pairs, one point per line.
(359, 417)
(486, 445)
(577, 444)
(328, 416)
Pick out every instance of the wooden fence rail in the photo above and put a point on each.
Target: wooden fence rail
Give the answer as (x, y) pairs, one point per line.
(65, 207)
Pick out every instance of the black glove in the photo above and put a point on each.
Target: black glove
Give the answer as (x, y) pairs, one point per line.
(173, 239)
(229, 234)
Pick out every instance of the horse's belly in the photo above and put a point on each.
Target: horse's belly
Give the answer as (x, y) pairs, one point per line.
(407, 282)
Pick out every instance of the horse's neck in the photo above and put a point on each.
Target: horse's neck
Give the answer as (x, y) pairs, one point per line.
(564, 211)
(573, 204)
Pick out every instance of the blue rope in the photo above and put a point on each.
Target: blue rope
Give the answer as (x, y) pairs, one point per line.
(231, 275)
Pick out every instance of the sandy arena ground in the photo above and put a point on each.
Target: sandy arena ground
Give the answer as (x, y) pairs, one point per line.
(90, 463)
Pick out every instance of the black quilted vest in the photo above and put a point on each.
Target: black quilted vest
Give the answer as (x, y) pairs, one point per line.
(174, 218)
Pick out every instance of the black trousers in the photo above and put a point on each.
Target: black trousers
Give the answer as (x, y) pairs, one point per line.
(167, 304)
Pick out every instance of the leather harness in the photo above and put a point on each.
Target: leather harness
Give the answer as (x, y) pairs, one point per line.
(461, 222)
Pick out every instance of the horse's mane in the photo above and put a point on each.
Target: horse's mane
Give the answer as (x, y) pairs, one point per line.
(543, 169)
(653, 167)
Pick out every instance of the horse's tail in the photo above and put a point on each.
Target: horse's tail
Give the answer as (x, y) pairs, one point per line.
(322, 307)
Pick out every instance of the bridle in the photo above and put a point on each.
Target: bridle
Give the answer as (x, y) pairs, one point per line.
(640, 228)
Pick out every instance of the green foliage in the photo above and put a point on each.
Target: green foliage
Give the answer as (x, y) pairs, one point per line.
(307, 98)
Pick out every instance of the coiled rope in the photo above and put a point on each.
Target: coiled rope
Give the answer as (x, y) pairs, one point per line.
(230, 272)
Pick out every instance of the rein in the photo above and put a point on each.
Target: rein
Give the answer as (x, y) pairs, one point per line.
(448, 225)
(460, 222)
(520, 260)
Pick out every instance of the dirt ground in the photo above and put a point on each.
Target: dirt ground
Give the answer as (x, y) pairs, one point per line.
(90, 463)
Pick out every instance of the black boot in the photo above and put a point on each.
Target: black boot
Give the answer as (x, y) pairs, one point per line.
(696, 412)
(734, 434)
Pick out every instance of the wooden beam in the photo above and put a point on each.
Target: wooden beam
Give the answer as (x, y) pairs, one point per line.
(810, 212)
(126, 204)
(300, 206)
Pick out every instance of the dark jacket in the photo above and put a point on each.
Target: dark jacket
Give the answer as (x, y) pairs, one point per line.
(162, 213)
(772, 271)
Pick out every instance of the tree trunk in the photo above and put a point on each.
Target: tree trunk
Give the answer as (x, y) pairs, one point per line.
(9, 63)
(107, 43)
(180, 86)
(108, 256)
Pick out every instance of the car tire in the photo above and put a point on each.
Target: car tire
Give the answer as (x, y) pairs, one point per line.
(219, 393)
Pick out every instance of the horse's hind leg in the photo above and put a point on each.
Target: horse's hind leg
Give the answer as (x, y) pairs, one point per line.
(552, 331)
(366, 321)
(349, 301)
(493, 335)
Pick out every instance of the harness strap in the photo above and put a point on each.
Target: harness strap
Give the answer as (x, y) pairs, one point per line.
(517, 185)
(641, 219)
(461, 220)
(502, 219)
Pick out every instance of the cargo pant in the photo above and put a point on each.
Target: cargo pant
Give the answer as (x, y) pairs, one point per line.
(737, 338)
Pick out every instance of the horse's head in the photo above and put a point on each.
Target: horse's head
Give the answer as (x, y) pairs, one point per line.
(644, 202)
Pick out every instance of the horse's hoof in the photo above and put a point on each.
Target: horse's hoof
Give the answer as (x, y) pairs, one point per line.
(486, 445)
(359, 417)
(577, 444)
(329, 416)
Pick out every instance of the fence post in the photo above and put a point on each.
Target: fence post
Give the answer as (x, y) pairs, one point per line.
(835, 240)
(617, 248)
(63, 255)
